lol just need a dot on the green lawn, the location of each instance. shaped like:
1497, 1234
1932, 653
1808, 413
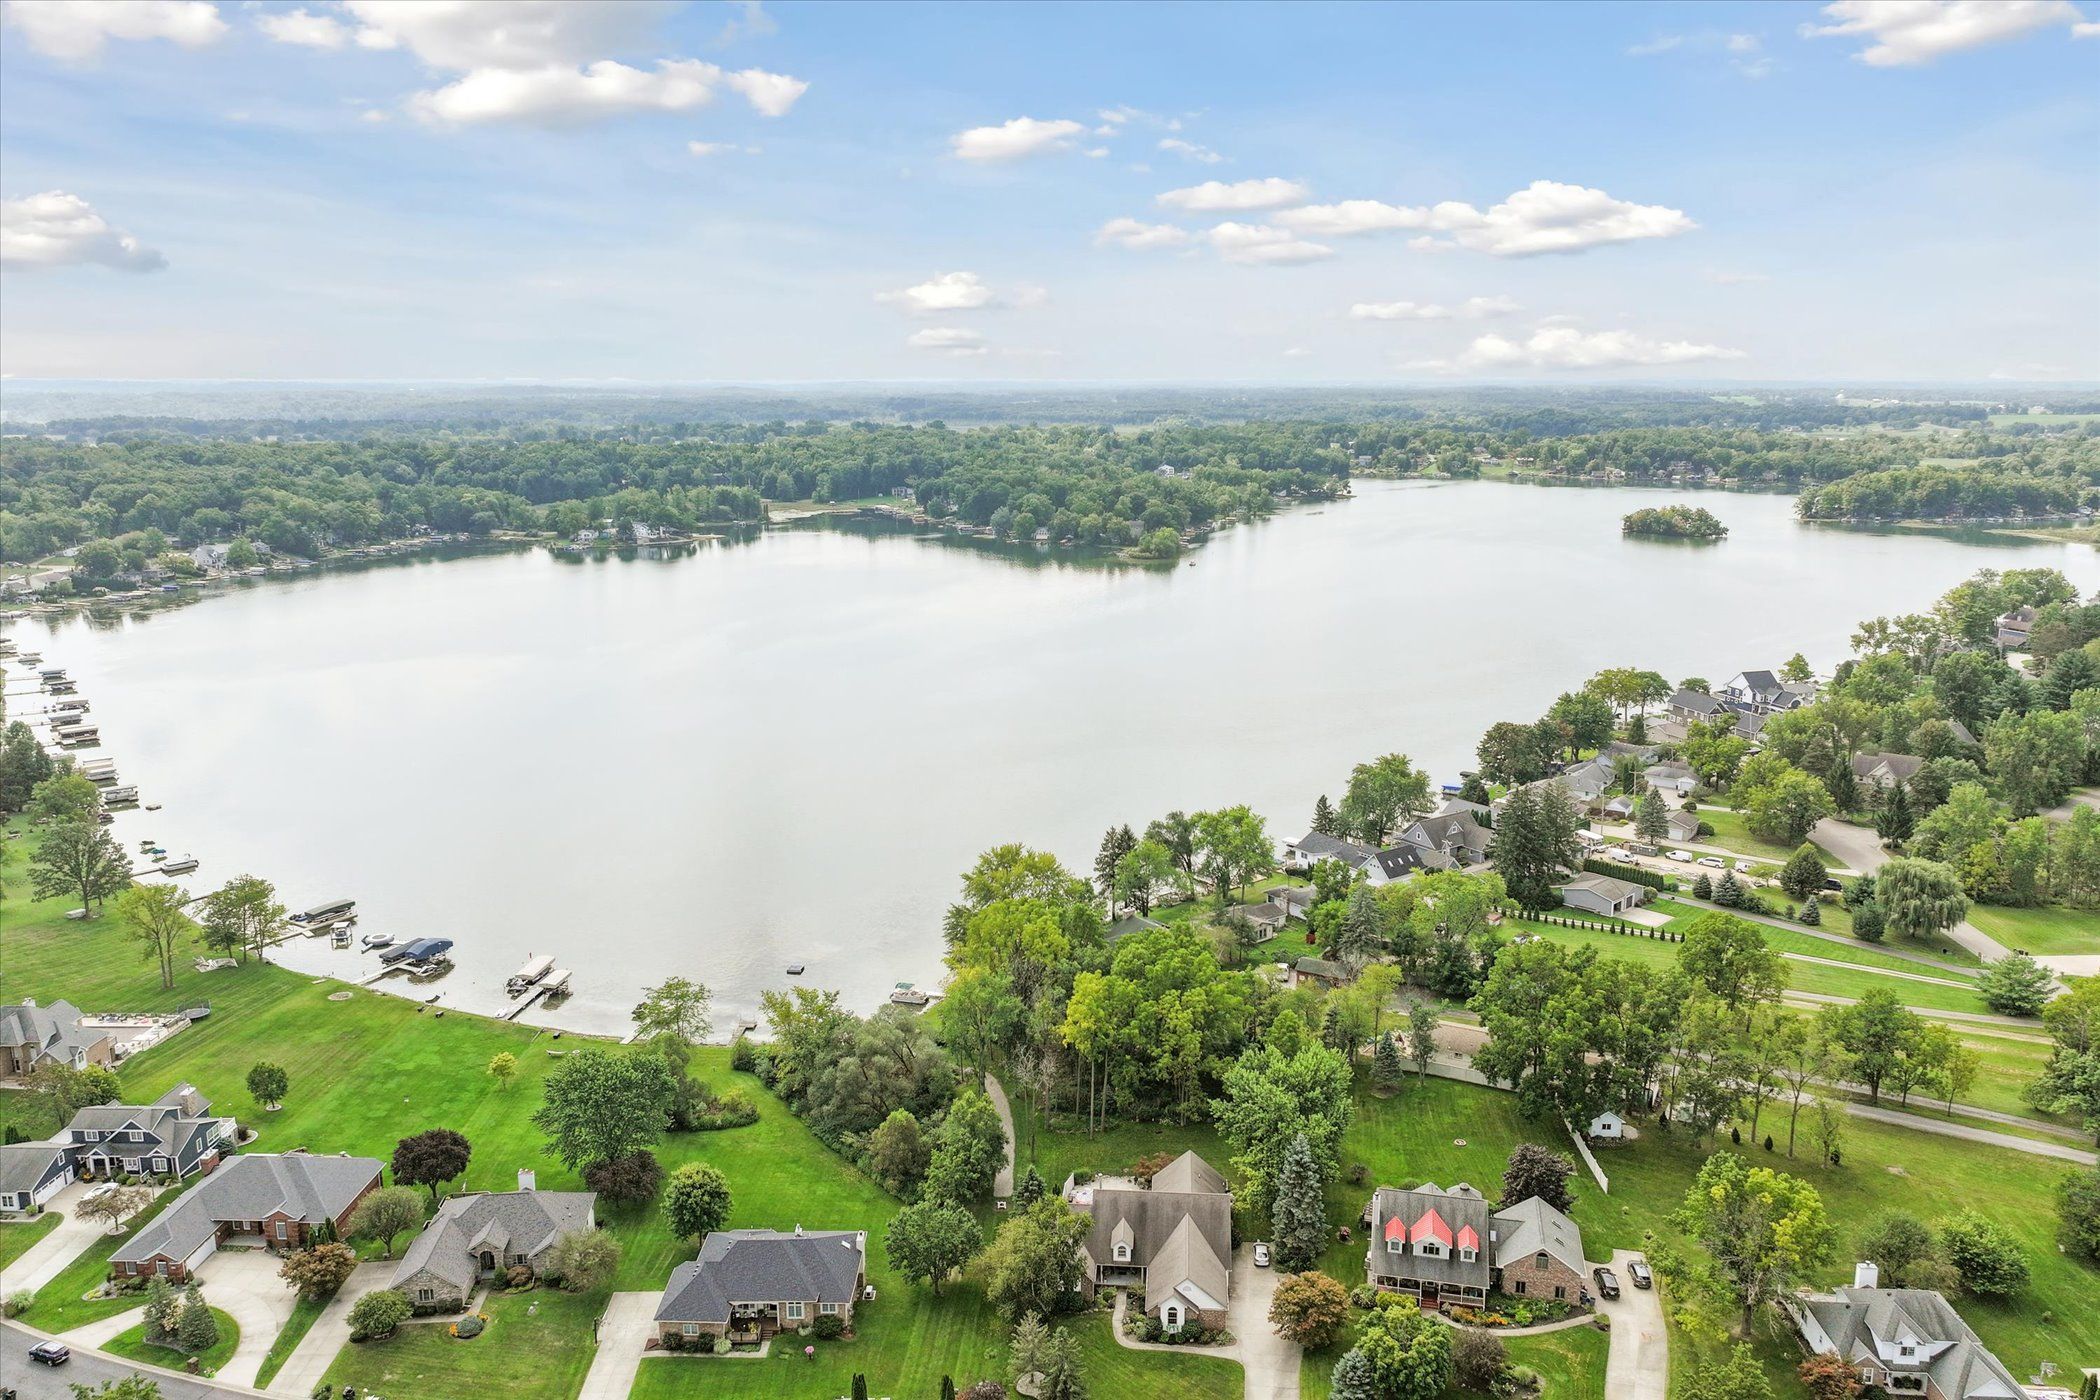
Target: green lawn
16, 1236
305, 1313
2043, 932
60, 1305
133, 1346
1732, 832
538, 1344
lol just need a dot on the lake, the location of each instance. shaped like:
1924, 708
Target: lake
787, 750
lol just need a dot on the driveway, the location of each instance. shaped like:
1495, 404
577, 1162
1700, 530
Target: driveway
245, 1284
629, 1320
1639, 1368
303, 1369
1271, 1362
47, 1258
1003, 1183
1857, 847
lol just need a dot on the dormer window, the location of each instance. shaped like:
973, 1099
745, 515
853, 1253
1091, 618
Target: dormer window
1122, 1253
1430, 1249
1468, 1255
1395, 1245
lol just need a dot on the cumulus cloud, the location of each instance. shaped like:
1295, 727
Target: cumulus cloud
558, 95
750, 22
1903, 33
950, 291
1543, 217
1216, 196
947, 340
306, 29
56, 229
1471, 309
1023, 136
1136, 234
77, 30
1560, 346
462, 35
1203, 155
1258, 245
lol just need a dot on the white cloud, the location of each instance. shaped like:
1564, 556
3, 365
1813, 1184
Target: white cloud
1567, 347
1097, 153
947, 340
1351, 216
1907, 32
1471, 309
554, 95
1543, 217
1743, 52
1258, 245
76, 30
703, 149
1203, 155
949, 291
1136, 234
1023, 136
1215, 196
1661, 43
750, 22
463, 35
56, 229
303, 27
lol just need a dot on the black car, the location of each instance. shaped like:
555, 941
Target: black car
50, 1354
1833, 885
1607, 1282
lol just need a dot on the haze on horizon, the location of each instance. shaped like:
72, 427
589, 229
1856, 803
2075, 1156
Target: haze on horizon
662, 193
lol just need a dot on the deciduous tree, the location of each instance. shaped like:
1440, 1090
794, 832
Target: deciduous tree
932, 1240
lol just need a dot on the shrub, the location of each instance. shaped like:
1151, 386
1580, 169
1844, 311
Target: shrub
582, 1259
1478, 1359
320, 1271
517, 1276
634, 1177
378, 1313
828, 1327
743, 1056
1985, 1253
734, 1109
17, 1303
468, 1327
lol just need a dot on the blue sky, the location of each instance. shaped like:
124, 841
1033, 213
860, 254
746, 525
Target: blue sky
394, 189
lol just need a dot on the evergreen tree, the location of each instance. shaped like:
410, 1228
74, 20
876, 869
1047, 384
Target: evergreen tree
1652, 818
1116, 843
1729, 893
1534, 843
1354, 1378
1894, 821
1702, 888
162, 1303
1386, 1070
1842, 786
1029, 1350
1299, 1217
1029, 1189
1803, 873
1812, 912
1323, 816
1061, 1376
198, 1331
1333, 1034
1637, 729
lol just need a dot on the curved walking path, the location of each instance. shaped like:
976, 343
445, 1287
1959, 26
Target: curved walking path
1861, 849
1566, 1324
1003, 1183
1932, 1013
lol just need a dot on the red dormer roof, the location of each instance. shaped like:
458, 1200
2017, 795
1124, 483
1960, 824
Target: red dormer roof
1396, 1229
1431, 1226
1468, 1238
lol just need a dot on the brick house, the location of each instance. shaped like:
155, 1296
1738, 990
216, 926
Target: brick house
33, 1036
276, 1200
473, 1236
1538, 1252
748, 1285
1444, 1247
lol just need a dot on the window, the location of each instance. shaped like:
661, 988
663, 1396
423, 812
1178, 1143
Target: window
691, 1329
1469, 1255
794, 1312
1560, 1290
1394, 1245
829, 1308
1520, 1287
1430, 1249
1122, 1253
281, 1229
160, 1266
424, 1295
1540, 1261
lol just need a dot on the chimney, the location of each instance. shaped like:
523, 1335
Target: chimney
527, 1181
1866, 1274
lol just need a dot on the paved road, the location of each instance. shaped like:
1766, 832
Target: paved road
1003, 1183
1271, 1363
35, 1382
1639, 1366
1860, 848
2031, 1146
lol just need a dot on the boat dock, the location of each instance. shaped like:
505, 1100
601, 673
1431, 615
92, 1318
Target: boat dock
551, 988
529, 976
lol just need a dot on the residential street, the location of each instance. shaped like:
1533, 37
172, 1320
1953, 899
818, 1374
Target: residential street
34, 1382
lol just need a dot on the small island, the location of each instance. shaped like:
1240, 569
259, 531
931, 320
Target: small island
1674, 523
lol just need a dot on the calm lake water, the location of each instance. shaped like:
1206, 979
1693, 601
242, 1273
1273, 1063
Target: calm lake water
787, 750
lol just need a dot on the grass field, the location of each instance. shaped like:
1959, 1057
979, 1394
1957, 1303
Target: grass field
16, 1236
59, 1304
133, 1346
2044, 932
544, 1355
305, 1313
1732, 831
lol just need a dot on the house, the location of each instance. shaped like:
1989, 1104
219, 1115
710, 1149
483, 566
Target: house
1401, 861
1961, 731
1173, 1240
1297, 900
1316, 846
32, 1036
175, 1135
209, 556
1907, 1341
1588, 781
1765, 693
1457, 836
275, 1199
1266, 916
1129, 924
1884, 770
1451, 806
1319, 972
1639, 753
2014, 628
1606, 1127
1618, 809
31, 1173
749, 1284
473, 1236
1443, 1247
1601, 894
1671, 777
1683, 826
1694, 706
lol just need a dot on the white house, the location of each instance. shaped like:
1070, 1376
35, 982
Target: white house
1606, 1127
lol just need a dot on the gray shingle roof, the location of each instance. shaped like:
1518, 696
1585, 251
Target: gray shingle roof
54, 1030
1315, 845
308, 1188
1697, 701
1179, 1232
508, 1222
763, 1266
1460, 1208
1530, 1226
1872, 1325
24, 1166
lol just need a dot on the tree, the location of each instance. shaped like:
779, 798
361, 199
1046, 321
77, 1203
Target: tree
1534, 843
1584, 718
1898, 1243
1354, 1378
696, 1201
1033, 1264
1875, 1032
1324, 820
1478, 1360
1421, 1035
1061, 1378
1272, 1097
152, 915
163, 1309
1803, 874
431, 1158
1410, 1356
379, 1312
1029, 1348
131, 1387
1812, 912
601, 1104
1386, 1069
503, 1067
1508, 754
582, 1260
2078, 1212
1538, 1171
1383, 796
79, 858
65, 797
1652, 818
1728, 956
1140, 873
1236, 847
969, 1148
268, 1084
319, 1271
2016, 986
1763, 1229
243, 917
1116, 843
1299, 1214
898, 1153
116, 1206
1359, 935
674, 1009
1986, 1254
68, 1090
932, 1240
1919, 897
1738, 1376
1894, 822
1786, 808
385, 1214
1029, 1189
631, 1176
1177, 832
1309, 1308
1828, 1376
198, 1331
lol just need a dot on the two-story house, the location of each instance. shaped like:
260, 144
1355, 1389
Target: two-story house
1172, 1239
175, 1135
32, 1036
1906, 1341
1444, 1247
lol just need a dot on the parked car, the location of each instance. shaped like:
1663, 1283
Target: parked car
1638, 1271
1685, 856
50, 1354
1835, 886
1261, 1256
1715, 861
1607, 1282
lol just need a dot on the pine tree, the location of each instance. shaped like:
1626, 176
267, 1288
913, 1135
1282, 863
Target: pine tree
1729, 893
1323, 816
1030, 1188
1333, 1034
1299, 1217
947, 1388
1842, 785
1652, 818
1116, 843
1061, 1378
1386, 1070
1702, 888
161, 1306
1812, 912
1354, 1377
1894, 821
1637, 729
199, 1330
1029, 1352
860, 1386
